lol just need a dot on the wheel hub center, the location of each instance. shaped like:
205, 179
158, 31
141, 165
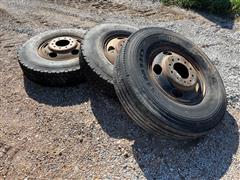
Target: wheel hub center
179, 71
177, 77
60, 48
62, 44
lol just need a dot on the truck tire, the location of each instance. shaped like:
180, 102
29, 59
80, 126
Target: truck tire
168, 85
101, 46
52, 58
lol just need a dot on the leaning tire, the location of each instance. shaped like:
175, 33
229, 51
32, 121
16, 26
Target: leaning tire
52, 58
98, 65
146, 93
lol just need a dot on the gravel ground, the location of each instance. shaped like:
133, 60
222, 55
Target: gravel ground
78, 132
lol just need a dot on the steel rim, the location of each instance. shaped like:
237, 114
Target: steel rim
112, 47
177, 77
60, 48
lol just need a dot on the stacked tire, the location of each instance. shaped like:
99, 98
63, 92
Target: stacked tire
166, 84
52, 58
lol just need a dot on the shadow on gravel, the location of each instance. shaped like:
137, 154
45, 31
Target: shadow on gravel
113, 119
56, 96
158, 158
226, 22
205, 158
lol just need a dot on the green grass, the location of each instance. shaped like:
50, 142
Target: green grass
220, 7
236, 6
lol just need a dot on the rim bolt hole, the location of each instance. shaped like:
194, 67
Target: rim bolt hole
52, 54
157, 69
75, 52
167, 53
111, 48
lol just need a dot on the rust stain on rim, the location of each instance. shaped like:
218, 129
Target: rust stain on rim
178, 78
113, 47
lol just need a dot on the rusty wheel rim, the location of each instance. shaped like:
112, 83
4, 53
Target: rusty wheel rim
178, 78
60, 48
112, 47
